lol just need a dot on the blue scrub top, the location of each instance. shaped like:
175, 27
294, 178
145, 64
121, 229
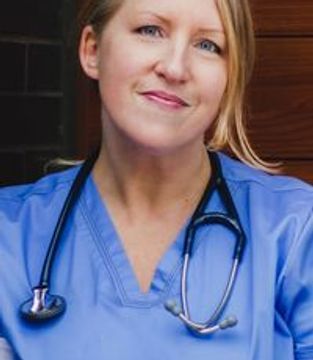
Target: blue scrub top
108, 317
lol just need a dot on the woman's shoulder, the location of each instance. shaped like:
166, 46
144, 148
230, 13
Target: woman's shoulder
28, 214
244, 175
46, 186
32, 205
275, 201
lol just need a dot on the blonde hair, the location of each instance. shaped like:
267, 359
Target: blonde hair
228, 131
229, 128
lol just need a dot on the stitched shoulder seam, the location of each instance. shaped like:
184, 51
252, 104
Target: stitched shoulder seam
293, 252
33, 190
297, 185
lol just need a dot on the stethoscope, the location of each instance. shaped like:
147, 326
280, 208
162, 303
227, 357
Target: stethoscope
44, 306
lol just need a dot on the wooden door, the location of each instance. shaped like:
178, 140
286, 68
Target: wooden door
280, 96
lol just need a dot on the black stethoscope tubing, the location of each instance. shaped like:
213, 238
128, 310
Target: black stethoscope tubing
230, 220
43, 306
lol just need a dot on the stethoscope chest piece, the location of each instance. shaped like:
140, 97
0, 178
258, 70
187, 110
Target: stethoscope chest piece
42, 306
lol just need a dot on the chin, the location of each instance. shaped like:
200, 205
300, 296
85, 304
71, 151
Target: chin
162, 144
154, 137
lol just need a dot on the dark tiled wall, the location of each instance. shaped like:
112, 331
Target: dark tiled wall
32, 90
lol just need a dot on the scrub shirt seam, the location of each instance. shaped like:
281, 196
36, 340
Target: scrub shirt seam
104, 254
39, 187
20, 198
299, 187
292, 253
237, 171
283, 278
172, 277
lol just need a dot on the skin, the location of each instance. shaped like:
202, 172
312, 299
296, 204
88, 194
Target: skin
153, 165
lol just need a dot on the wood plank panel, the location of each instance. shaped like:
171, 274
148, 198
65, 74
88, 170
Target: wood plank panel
283, 16
300, 169
281, 99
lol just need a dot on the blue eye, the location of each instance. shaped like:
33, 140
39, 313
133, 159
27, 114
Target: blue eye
210, 46
149, 30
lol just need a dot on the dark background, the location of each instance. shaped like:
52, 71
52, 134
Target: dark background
48, 109
37, 77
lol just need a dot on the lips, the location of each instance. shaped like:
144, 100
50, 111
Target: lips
165, 97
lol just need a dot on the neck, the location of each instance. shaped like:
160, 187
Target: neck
136, 179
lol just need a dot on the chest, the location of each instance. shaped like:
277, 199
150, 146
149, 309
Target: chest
144, 249
107, 315
145, 242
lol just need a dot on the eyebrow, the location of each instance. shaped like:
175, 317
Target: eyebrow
160, 17
211, 30
166, 21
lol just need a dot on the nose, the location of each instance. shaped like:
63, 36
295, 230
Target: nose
173, 65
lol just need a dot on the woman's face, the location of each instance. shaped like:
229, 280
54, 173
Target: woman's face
162, 71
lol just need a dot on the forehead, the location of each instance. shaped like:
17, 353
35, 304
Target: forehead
203, 13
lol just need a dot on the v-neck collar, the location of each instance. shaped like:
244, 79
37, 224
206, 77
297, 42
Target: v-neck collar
114, 255
113, 252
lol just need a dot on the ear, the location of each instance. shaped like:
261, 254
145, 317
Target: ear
88, 52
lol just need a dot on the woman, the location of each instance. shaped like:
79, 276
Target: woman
171, 78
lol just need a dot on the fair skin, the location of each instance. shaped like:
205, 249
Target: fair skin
161, 68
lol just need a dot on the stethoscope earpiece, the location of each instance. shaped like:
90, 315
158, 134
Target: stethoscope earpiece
230, 321
42, 307
172, 307
197, 328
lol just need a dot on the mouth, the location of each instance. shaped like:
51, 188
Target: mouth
164, 98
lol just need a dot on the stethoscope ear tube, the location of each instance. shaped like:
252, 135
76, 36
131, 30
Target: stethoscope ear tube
230, 220
44, 306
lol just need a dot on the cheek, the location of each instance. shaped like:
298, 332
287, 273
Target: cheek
112, 81
118, 76
112, 68
121, 61
214, 82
